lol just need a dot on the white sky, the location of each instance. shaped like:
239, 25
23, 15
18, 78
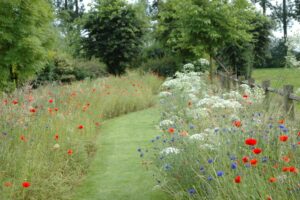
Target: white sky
295, 26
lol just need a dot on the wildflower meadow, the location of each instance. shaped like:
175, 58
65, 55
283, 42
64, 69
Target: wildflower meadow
217, 144
47, 135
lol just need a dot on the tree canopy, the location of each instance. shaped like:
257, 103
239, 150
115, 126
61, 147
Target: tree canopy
25, 37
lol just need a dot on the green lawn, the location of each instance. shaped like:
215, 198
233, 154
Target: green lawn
278, 77
116, 173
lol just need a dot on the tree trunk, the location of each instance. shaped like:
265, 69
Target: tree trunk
66, 4
76, 8
284, 20
264, 6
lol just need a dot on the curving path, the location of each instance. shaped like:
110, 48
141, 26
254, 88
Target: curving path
116, 172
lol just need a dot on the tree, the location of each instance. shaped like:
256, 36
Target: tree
25, 37
114, 34
69, 14
209, 24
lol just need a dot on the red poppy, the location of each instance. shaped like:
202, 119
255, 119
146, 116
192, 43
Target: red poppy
56, 109
80, 127
56, 136
245, 159
281, 121
253, 162
257, 151
171, 130
70, 151
285, 169
283, 138
22, 137
237, 123
272, 179
245, 96
15, 101
50, 101
33, 110
26, 184
237, 179
286, 159
299, 143
251, 141
293, 169
269, 198
7, 184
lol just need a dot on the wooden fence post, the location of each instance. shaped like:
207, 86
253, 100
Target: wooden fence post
265, 85
288, 103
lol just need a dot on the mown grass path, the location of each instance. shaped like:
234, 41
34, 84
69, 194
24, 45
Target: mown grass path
116, 173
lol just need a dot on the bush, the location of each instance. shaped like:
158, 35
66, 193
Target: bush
165, 66
63, 68
89, 69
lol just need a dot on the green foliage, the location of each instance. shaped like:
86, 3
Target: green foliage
164, 66
25, 37
63, 68
114, 34
278, 52
89, 69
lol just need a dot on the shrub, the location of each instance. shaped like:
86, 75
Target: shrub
63, 68
89, 69
165, 66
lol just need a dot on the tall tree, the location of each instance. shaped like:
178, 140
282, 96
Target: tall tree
25, 37
114, 34
209, 24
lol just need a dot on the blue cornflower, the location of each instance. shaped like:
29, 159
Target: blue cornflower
164, 141
192, 126
264, 159
281, 126
285, 130
270, 125
220, 173
167, 167
141, 155
233, 165
157, 137
173, 139
202, 169
209, 178
247, 165
139, 149
233, 158
210, 161
192, 191
152, 140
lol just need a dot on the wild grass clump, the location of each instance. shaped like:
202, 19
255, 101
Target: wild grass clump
223, 144
47, 134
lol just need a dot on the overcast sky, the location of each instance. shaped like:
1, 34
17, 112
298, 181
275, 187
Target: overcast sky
294, 29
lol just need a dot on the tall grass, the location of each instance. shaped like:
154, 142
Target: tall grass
47, 134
